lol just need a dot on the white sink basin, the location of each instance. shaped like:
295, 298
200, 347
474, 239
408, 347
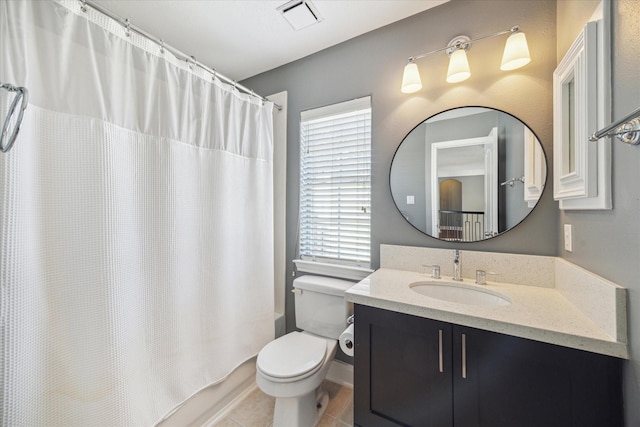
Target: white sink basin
460, 293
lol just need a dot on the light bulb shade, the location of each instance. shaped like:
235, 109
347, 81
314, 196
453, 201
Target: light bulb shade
458, 67
516, 52
411, 78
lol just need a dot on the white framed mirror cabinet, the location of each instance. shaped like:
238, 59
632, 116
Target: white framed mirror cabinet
581, 105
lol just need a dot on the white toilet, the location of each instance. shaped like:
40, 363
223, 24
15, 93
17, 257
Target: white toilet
292, 367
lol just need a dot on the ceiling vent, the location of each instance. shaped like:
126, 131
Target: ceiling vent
300, 13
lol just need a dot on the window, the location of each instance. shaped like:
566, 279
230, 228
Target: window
335, 183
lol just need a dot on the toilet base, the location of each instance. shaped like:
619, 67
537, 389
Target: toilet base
302, 411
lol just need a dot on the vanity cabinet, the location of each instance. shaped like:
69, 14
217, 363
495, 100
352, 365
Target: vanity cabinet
412, 371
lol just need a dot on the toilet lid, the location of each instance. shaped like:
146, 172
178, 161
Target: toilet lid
292, 355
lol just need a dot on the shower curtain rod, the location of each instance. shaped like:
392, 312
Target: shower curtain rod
163, 46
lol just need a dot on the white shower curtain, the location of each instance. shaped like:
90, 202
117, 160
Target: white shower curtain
136, 262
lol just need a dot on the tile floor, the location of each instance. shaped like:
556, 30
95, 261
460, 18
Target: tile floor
256, 410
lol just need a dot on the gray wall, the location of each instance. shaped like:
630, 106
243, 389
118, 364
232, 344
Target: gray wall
372, 64
408, 179
608, 242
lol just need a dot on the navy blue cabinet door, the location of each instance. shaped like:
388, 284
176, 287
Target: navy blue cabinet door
411, 371
402, 370
500, 380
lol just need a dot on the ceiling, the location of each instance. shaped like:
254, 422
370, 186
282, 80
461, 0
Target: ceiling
242, 38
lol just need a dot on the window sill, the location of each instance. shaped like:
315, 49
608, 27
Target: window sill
333, 270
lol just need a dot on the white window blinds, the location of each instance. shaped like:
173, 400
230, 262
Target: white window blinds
335, 183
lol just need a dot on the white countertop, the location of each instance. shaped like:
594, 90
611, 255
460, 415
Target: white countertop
537, 313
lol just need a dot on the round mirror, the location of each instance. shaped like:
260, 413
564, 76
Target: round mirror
468, 174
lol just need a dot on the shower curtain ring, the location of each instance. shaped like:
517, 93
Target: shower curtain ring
83, 6
162, 46
127, 27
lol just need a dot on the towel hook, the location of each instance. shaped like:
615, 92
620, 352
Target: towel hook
23, 97
512, 181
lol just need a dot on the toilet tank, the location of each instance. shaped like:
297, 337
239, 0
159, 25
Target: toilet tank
320, 305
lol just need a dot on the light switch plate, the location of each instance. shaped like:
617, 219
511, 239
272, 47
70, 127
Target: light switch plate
568, 246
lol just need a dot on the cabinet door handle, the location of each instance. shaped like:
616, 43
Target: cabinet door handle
440, 358
464, 356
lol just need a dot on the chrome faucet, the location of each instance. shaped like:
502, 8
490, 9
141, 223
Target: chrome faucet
456, 265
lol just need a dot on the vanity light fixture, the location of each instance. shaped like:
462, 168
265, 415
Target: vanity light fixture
458, 64
516, 55
516, 52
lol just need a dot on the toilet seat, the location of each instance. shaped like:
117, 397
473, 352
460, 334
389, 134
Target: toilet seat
291, 357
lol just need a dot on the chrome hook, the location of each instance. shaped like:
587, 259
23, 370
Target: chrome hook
23, 98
